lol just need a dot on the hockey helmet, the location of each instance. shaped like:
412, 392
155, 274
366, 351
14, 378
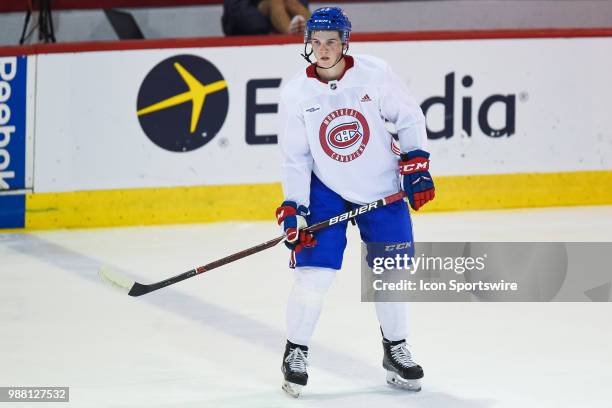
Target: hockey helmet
328, 19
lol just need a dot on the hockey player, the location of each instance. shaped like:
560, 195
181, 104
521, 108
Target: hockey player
337, 154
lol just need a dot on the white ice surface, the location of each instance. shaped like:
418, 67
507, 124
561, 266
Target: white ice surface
216, 340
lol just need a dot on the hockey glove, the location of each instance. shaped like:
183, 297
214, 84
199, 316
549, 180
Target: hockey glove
292, 218
416, 180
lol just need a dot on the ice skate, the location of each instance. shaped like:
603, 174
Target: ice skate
402, 371
294, 365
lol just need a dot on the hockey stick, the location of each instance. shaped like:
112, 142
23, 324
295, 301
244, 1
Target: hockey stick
138, 289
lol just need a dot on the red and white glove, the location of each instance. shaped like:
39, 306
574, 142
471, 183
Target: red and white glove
292, 217
416, 180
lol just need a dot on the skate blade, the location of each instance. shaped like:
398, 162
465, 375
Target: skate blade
396, 380
292, 389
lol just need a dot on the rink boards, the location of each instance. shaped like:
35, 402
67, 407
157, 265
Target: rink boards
95, 135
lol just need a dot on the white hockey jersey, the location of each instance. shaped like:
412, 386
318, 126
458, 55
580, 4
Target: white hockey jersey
337, 130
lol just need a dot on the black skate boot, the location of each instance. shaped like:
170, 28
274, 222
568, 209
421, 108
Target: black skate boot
402, 371
294, 365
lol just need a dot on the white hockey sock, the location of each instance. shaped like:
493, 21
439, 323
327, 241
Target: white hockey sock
305, 302
393, 319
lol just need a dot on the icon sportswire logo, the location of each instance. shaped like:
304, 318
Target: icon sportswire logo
182, 103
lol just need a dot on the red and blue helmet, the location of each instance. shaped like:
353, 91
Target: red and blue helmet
328, 19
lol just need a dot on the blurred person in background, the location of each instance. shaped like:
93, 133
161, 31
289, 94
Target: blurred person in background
258, 17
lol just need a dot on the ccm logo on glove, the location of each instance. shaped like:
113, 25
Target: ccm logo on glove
414, 165
416, 180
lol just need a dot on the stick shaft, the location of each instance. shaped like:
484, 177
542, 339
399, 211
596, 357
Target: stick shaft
139, 289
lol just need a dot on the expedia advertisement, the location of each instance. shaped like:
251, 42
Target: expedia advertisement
208, 116
201, 109
13, 82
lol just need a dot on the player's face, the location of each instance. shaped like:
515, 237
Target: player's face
327, 47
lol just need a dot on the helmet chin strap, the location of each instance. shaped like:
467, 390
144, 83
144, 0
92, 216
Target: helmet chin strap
306, 55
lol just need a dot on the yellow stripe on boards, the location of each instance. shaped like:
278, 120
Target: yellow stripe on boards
105, 208
249, 202
499, 191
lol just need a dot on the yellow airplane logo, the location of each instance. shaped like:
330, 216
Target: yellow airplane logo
196, 94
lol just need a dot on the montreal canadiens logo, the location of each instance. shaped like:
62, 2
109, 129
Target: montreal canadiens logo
344, 134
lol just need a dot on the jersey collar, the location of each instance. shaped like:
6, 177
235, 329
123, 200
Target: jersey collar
311, 70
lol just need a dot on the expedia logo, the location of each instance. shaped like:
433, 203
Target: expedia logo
505, 103
182, 103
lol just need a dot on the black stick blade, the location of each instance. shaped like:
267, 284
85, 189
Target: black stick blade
138, 289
